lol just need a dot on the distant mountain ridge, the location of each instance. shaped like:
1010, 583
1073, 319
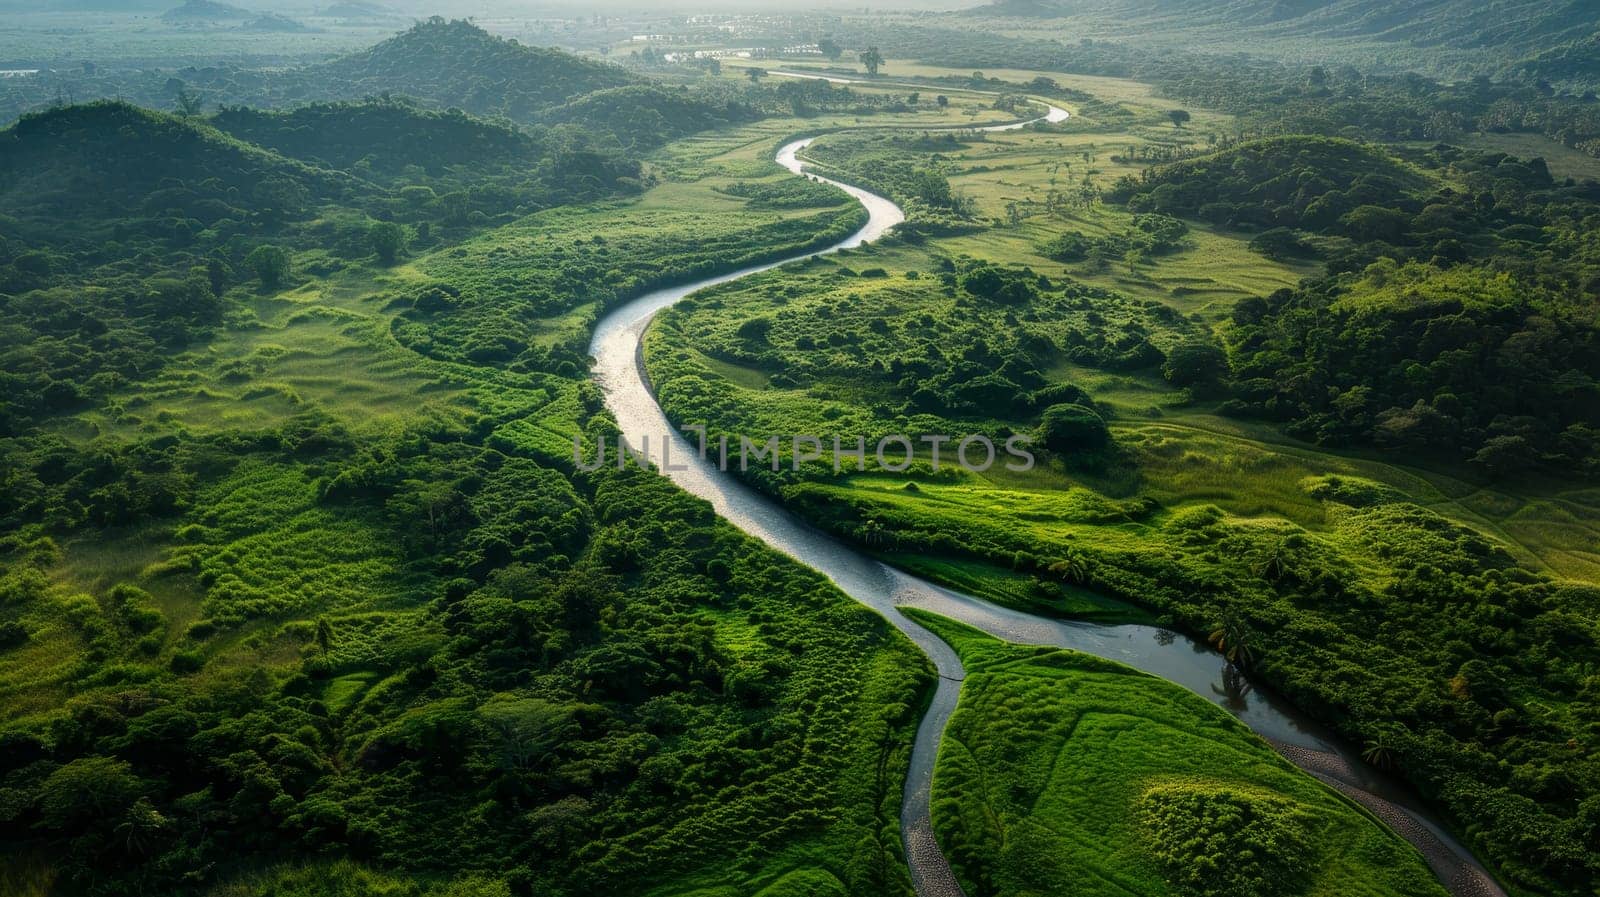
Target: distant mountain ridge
206, 11
275, 23
1518, 29
357, 9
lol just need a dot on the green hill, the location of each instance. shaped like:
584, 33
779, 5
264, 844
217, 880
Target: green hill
1576, 61
1300, 181
111, 158
642, 115
457, 64
388, 135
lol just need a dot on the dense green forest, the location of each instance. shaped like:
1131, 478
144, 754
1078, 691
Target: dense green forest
347, 634
1458, 316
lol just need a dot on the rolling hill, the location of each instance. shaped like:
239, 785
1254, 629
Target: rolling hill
388, 135
111, 158
643, 115
457, 64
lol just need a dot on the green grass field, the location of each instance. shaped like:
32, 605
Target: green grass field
1063, 773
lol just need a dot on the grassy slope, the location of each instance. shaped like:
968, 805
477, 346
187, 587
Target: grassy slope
1049, 752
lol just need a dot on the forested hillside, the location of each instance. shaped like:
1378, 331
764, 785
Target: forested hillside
1575, 61
456, 63
389, 136
436, 64
642, 116
1460, 315
108, 158
163, 191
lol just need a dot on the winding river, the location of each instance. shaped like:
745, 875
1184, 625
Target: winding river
618, 369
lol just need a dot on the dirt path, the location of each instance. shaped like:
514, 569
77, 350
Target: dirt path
1460, 876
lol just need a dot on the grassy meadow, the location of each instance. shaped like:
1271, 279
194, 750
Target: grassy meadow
1065, 773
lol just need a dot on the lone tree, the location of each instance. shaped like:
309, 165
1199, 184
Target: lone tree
830, 48
1279, 243
1234, 640
188, 103
1133, 258
388, 240
1071, 427
942, 100
755, 75
1179, 117
1194, 362
872, 59
217, 275
270, 264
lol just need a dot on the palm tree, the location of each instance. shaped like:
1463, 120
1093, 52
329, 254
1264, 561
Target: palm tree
1071, 569
872, 59
1378, 753
1234, 641
189, 103
871, 533
140, 827
1277, 563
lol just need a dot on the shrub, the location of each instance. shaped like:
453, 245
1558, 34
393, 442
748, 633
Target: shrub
270, 264
1072, 427
1219, 841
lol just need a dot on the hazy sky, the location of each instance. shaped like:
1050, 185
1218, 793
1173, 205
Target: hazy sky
503, 7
